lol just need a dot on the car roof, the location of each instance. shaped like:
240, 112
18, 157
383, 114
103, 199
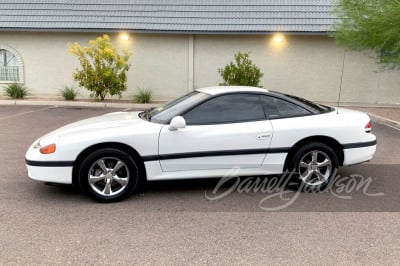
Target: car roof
226, 89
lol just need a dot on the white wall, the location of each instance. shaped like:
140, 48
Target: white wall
159, 62
308, 66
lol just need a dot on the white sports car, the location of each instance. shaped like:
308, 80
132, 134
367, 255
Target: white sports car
204, 134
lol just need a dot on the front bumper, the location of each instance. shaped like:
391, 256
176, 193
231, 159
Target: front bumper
47, 168
62, 175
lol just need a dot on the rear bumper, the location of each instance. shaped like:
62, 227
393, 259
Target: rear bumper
358, 155
62, 175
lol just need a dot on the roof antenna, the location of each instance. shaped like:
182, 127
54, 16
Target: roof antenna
341, 81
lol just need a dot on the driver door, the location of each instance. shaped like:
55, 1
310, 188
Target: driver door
224, 132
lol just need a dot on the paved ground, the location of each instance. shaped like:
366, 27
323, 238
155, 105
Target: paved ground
389, 113
174, 223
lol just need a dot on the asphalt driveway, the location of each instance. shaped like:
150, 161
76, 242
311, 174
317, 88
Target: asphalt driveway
356, 222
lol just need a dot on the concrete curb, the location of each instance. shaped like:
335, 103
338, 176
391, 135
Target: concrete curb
80, 104
386, 121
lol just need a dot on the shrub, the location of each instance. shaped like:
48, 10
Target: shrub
143, 96
241, 73
17, 91
69, 93
103, 69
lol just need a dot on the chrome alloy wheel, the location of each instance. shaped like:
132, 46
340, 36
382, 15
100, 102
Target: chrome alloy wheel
315, 168
108, 176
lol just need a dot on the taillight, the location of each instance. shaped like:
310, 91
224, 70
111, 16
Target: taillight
368, 127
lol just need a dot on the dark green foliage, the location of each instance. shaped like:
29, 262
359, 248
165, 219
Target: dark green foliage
69, 93
17, 91
242, 72
370, 24
143, 96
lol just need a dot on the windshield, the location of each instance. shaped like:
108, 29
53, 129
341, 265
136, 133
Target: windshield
164, 114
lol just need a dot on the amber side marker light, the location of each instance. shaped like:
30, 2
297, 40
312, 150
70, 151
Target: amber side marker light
48, 149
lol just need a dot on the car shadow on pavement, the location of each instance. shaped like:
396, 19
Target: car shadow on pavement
60, 192
363, 188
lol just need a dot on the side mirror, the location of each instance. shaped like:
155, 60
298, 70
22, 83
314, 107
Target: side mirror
177, 122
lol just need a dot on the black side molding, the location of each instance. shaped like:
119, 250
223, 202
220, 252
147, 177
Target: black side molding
49, 163
359, 144
213, 153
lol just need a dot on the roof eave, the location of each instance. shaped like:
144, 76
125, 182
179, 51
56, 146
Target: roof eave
83, 30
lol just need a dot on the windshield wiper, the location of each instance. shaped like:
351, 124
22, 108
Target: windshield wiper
146, 114
149, 111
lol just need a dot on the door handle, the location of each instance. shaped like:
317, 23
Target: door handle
263, 136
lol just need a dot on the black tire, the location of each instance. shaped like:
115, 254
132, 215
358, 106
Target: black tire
308, 174
113, 175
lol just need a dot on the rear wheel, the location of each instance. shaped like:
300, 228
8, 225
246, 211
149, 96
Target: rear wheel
108, 175
315, 165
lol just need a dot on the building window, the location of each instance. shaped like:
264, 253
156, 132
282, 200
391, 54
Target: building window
10, 66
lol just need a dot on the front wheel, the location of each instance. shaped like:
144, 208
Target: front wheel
314, 165
108, 175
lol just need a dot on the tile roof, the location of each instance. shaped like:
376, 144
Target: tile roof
179, 16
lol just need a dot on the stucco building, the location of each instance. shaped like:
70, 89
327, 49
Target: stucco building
178, 46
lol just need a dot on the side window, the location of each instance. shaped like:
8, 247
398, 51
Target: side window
10, 70
277, 108
231, 108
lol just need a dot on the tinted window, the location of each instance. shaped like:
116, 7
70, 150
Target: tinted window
226, 109
165, 113
317, 108
277, 108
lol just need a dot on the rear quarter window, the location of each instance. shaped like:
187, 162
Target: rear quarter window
278, 108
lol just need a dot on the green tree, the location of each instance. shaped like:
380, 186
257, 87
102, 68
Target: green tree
102, 69
370, 24
241, 72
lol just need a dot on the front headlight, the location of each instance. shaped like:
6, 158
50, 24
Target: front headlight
37, 145
43, 148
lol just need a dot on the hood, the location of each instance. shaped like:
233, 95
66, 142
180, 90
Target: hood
111, 120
